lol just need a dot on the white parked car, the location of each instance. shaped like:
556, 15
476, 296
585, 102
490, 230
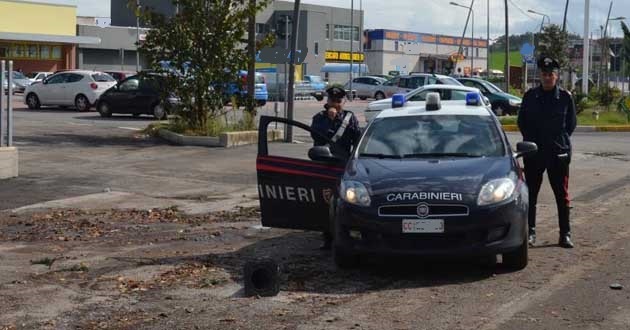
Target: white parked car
39, 76
69, 88
367, 87
418, 96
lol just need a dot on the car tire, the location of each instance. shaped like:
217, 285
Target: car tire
82, 103
319, 98
517, 259
32, 101
158, 111
379, 96
362, 98
498, 110
103, 109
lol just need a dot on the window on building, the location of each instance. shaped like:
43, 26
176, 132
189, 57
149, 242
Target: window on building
33, 51
316, 48
4, 51
327, 32
338, 32
396, 46
44, 52
56, 53
355, 31
345, 32
261, 28
477, 52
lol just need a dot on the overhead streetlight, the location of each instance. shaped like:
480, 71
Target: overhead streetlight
543, 15
472, 35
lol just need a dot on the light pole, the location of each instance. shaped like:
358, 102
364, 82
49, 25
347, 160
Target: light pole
488, 41
542, 25
472, 35
605, 54
137, 35
351, 45
587, 48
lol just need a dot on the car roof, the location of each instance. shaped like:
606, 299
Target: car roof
79, 71
447, 108
442, 86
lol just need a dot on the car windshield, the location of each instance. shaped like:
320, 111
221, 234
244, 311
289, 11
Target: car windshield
18, 75
492, 87
259, 79
450, 81
315, 79
102, 77
432, 136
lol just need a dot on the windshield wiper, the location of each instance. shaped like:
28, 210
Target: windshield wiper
441, 154
381, 156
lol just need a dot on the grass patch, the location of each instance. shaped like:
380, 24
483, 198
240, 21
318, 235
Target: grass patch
606, 118
497, 60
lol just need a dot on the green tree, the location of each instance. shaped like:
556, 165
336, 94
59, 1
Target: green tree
200, 50
554, 43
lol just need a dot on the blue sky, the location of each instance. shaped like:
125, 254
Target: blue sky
437, 16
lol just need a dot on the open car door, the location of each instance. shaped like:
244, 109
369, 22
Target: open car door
294, 193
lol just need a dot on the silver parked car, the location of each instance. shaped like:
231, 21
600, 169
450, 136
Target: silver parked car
20, 81
367, 87
407, 83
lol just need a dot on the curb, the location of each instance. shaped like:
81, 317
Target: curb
224, 140
582, 129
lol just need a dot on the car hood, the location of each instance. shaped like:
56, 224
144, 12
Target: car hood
460, 176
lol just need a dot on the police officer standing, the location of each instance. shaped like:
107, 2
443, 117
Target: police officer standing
547, 117
340, 126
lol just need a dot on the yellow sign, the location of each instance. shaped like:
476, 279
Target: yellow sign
333, 55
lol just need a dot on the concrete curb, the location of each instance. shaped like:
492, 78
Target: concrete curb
582, 129
224, 140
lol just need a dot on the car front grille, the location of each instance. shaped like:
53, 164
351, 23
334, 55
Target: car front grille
435, 210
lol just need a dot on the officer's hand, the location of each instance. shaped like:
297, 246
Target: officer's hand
332, 112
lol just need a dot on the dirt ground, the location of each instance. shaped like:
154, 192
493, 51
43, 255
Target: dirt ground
160, 269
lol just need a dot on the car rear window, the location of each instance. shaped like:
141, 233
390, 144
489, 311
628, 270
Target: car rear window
414, 136
450, 81
102, 77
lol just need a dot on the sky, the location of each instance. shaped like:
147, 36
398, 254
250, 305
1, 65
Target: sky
437, 16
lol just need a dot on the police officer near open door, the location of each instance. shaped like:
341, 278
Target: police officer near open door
340, 126
547, 117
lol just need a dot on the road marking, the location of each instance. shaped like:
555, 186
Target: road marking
131, 128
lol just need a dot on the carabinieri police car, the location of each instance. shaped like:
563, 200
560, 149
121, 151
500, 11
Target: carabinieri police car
427, 180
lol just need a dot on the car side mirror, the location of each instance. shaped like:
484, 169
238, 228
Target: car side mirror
525, 149
323, 154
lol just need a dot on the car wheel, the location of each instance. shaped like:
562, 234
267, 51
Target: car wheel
104, 110
159, 112
32, 101
379, 95
82, 103
498, 110
517, 259
362, 98
344, 259
319, 98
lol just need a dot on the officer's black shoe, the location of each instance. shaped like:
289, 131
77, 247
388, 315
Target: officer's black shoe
531, 239
565, 241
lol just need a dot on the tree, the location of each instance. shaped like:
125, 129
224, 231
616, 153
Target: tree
200, 51
625, 50
554, 43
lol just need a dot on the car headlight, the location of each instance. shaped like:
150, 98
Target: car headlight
355, 193
496, 191
515, 103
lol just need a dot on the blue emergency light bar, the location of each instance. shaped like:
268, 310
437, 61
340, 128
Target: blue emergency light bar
473, 98
398, 100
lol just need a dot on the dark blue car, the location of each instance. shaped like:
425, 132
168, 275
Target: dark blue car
424, 180
239, 89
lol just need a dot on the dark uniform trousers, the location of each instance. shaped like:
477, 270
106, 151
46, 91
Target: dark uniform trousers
558, 175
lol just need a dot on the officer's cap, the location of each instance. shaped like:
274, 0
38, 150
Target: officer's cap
548, 64
336, 92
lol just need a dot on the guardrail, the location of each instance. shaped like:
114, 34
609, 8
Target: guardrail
6, 124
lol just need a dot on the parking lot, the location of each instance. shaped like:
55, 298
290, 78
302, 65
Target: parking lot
176, 261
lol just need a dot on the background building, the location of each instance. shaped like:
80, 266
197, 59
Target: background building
405, 52
39, 36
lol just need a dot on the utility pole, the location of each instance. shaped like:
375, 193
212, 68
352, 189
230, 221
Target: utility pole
251, 54
488, 41
507, 49
137, 35
351, 45
564, 22
294, 32
587, 46
461, 41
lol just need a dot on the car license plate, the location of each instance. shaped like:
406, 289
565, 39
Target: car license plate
422, 226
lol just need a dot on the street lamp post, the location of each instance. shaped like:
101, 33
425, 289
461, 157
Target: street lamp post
605, 49
472, 35
542, 25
